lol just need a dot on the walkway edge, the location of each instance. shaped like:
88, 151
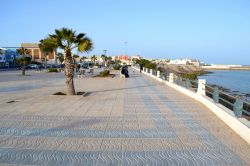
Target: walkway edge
241, 129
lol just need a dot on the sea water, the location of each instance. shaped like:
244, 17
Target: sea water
237, 81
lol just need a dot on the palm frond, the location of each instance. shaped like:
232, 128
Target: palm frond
23, 51
66, 39
85, 45
80, 36
48, 45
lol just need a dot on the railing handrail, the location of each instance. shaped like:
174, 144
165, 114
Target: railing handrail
229, 95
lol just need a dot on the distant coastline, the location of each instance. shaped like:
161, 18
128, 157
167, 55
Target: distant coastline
226, 67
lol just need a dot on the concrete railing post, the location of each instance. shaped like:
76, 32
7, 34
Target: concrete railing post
143, 69
151, 71
216, 95
158, 74
187, 83
171, 77
201, 87
238, 107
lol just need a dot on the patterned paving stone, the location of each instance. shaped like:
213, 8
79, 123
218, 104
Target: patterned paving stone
135, 121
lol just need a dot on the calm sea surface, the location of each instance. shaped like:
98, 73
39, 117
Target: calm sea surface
236, 81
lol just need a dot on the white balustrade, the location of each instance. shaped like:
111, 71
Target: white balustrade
158, 74
171, 77
201, 87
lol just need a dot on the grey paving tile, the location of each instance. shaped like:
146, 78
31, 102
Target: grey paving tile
134, 121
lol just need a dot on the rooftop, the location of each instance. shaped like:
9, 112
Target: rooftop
29, 45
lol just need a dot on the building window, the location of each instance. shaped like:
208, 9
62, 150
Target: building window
36, 53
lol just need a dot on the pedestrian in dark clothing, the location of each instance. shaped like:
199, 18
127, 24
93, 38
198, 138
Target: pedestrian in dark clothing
126, 72
78, 67
141, 68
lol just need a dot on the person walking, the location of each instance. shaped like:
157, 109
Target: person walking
126, 71
141, 68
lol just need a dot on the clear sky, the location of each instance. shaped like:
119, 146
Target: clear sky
215, 31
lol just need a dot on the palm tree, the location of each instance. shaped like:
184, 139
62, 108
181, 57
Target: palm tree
83, 58
104, 58
46, 49
109, 59
24, 58
67, 39
60, 57
93, 58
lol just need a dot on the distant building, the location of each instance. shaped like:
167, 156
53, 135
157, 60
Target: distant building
2, 57
11, 54
195, 63
8, 56
122, 58
126, 59
179, 62
135, 57
37, 55
185, 62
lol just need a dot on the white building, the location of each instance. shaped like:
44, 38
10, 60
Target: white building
185, 62
179, 62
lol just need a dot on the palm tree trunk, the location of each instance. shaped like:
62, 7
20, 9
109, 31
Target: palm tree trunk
45, 62
69, 73
23, 70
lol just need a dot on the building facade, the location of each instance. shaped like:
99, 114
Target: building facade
2, 57
8, 56
39, 56
122, 58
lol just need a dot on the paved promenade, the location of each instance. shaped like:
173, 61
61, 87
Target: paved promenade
134, 121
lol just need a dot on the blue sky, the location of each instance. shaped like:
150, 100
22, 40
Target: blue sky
215, 31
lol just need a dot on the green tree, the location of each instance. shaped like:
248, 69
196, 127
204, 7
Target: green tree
67, 40
60, 57
118, 62
83, 59
75, 56
151, 66
104, 58
93, 58
46, 49
24, 59
109, 60
142, 62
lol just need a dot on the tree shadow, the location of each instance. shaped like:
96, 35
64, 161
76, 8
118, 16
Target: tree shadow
127, 88
65, 129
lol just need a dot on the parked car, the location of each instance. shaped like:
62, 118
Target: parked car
32, 66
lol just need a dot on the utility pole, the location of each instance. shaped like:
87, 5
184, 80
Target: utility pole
105, 51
